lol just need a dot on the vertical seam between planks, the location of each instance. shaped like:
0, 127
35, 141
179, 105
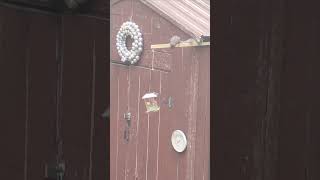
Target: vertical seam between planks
92, 106
182, 59
151, 24
27, 104
117, 133
192, 123
152, 62
158, 133
128, 110
59, 116
178, 169
205, 137
137, 137
128, 92
59, 64
147, 159
131, 10
195, 108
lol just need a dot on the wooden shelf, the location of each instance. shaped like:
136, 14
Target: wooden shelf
182, 44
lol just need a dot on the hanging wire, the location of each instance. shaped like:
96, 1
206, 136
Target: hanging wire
131, 10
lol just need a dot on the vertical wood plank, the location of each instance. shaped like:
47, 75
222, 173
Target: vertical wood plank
154, 86
144, 128
13, 93
133, 128
180, 88
122, 144
238, 76
77, 95
167, 162
313, 76
42, 87
114, 94
314, 87
155, 156
202, 119
294, 128
101, 143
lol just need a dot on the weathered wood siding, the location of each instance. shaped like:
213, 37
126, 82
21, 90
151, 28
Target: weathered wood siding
265, 90
54, 83
179, 73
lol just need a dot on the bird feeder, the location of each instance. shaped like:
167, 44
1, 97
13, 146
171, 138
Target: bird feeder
150, 100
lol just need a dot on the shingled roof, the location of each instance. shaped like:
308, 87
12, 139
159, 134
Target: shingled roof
192, 16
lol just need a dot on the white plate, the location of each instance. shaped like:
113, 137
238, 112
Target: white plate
179, 140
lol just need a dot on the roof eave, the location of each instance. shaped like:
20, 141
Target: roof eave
180, 26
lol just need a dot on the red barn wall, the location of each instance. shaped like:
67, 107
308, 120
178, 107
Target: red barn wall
142, 149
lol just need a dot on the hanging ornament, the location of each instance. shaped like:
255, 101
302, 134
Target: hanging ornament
130, 29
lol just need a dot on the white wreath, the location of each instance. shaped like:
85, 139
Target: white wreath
129, 29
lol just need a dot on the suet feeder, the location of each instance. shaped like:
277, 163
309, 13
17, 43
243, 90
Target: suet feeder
150, 100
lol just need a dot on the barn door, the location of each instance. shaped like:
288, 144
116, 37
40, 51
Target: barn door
84, 93
54, 91
141, 142
266, 114
28, 93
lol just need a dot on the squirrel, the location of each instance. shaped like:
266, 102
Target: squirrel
176, 40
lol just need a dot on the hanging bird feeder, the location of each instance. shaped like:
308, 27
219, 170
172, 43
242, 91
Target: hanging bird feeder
150, 100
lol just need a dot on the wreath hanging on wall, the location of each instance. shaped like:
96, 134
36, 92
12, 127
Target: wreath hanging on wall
129, 29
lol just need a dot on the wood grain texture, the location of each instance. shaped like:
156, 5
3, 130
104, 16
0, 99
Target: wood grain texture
101, 134
33, 75
77, 97
13, 92
177, 74
42, 91
278, 108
